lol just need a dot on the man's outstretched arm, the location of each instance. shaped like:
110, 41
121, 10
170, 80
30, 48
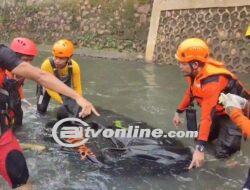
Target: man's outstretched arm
49, 81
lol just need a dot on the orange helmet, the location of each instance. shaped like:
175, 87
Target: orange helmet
192, 49
63, 48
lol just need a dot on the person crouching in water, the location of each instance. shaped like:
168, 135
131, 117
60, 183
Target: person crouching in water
65, 69
206, 79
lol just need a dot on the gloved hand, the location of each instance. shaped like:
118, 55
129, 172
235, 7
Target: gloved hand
231, 100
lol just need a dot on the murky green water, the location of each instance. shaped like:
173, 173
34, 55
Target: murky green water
143, 92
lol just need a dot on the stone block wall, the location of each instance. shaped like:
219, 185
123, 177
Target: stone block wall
222, 28
98, 24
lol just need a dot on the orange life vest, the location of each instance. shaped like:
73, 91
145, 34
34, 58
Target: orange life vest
208, 71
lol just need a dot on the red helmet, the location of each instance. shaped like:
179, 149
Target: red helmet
24, 46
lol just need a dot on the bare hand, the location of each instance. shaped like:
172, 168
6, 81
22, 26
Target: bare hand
87, 107
177, 120
198, 159
26, 102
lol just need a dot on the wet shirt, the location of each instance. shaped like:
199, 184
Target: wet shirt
8, 59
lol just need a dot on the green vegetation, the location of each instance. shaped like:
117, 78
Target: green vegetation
99, 42
129, 25
2, 19
87, 37
95, 3
118, 124
31, 10
142, 2
69, 5
116, 26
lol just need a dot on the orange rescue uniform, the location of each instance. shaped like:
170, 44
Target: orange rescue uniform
205, 89
241, 121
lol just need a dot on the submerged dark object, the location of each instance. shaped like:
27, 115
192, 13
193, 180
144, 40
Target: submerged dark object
144, 156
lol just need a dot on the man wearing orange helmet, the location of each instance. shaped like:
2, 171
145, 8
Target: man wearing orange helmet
64, 68
13, 167
206, 79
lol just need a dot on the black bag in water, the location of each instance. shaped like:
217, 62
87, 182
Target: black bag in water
191, 119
